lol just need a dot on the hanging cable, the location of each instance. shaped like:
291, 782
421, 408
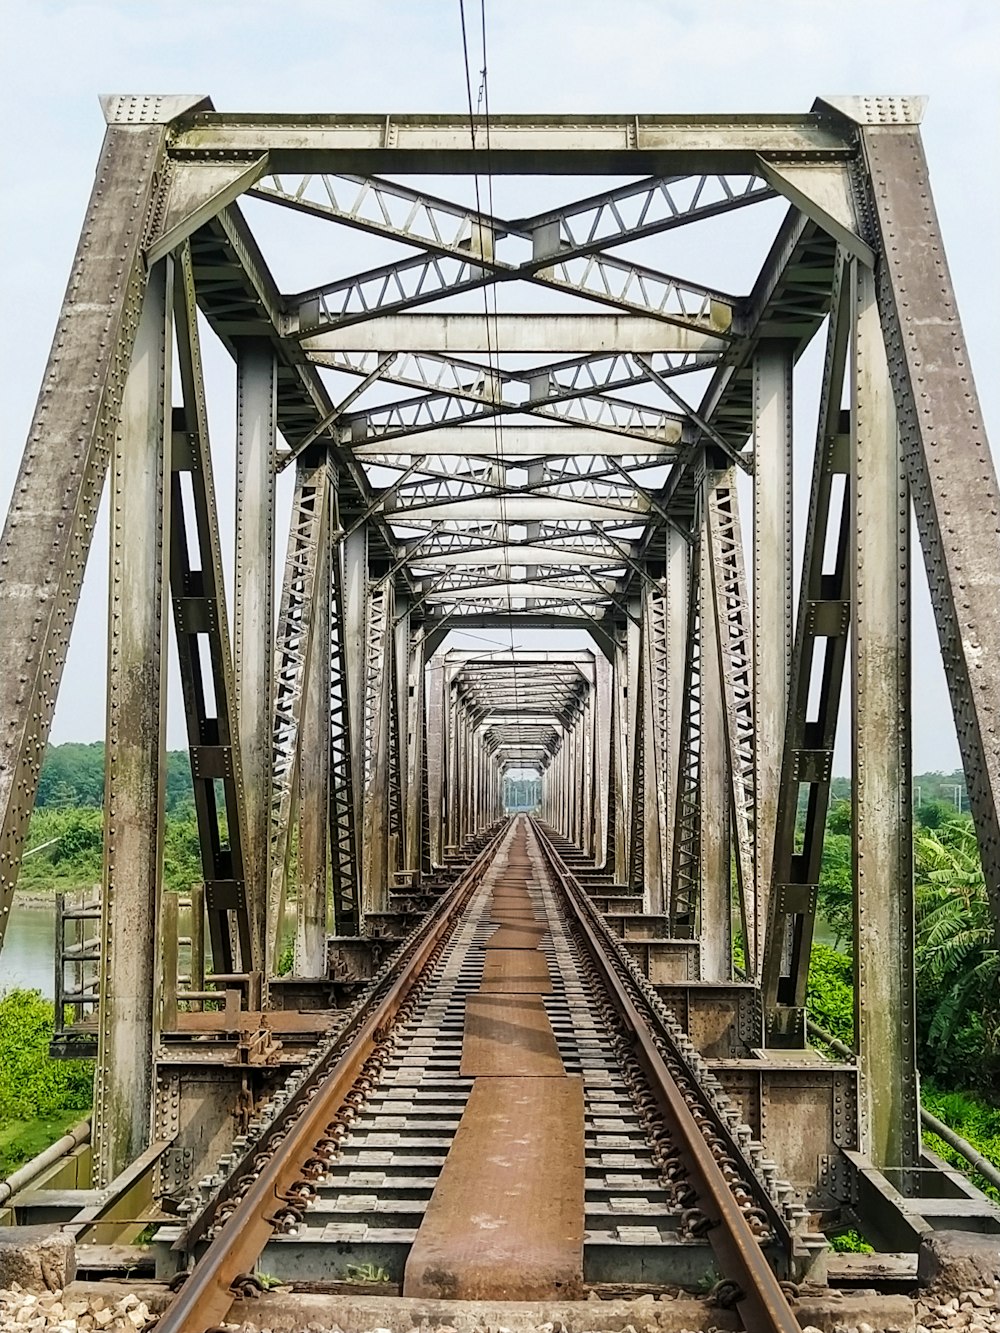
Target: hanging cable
492, 336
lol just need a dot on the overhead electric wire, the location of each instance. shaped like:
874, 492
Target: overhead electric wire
492, 351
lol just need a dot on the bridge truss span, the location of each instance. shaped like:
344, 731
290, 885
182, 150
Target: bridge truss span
529, 384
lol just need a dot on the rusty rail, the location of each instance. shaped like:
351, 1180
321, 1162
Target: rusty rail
764, 1307
205, 1297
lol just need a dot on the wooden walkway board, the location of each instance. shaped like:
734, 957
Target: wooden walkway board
506, 1219
520, 936
516, 971
508, 1035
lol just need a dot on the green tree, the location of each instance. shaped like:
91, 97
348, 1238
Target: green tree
957, 962
30, 1083
836, 887
830, 992
72, 774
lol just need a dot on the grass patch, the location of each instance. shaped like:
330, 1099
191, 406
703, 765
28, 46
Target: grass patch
40, 1098
849, 1242
975, 1119
20, 1140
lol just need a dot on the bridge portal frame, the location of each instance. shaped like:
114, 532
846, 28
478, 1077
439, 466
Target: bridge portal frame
677, 789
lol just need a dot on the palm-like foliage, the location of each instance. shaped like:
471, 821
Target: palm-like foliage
958, 966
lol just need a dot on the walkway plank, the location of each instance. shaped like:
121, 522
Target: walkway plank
509, 1035
516, 971
516, 937
506, 1219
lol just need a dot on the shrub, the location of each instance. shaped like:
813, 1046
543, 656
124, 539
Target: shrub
32, 1084
830, 993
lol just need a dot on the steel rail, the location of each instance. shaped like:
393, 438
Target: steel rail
764, 1307
205, 1298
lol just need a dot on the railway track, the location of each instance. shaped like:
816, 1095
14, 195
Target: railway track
509, 1113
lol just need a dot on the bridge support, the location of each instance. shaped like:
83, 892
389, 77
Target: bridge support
253, 635
135, 769
884, 999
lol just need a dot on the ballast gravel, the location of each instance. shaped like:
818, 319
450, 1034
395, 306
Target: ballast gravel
58, 1312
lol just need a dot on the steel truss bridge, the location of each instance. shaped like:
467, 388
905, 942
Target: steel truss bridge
527, 421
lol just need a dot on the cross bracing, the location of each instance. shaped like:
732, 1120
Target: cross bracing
529, 418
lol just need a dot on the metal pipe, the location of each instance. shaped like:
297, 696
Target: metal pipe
928, 1120
24, 1175
975, 1159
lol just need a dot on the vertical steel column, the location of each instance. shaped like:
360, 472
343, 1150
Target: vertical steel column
621, 772
603, 792
436, 759
685, 876
312, 908
204, 656
578, 790
560, 785
469, 782
634, 707
413, 851
730, 611
304, 577
772, 601
818, 658
654, 787
589, 793
379, 683
344, 777
451, 779
401, 654
479, 774
465, 781
714, 805
675, 618
135, 770
574, 784
355, 548
253, 634
882, 827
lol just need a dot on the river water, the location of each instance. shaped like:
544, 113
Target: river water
28, 958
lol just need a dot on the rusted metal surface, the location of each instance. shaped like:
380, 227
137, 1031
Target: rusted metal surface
509, 1035
516, 970
506, 1219
515, 937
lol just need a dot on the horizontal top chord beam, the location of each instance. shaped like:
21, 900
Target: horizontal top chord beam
522, 145
512, 334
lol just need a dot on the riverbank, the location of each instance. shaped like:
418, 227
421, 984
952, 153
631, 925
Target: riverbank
39, 898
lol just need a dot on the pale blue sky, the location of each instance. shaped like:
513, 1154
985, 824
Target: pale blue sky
544, 55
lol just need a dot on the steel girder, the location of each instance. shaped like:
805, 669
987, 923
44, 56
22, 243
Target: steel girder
47, 535
136, 719
301, 683
234, 904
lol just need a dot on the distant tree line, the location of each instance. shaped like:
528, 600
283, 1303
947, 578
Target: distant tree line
73, 775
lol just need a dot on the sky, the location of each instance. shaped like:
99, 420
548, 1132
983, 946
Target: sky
641, 56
